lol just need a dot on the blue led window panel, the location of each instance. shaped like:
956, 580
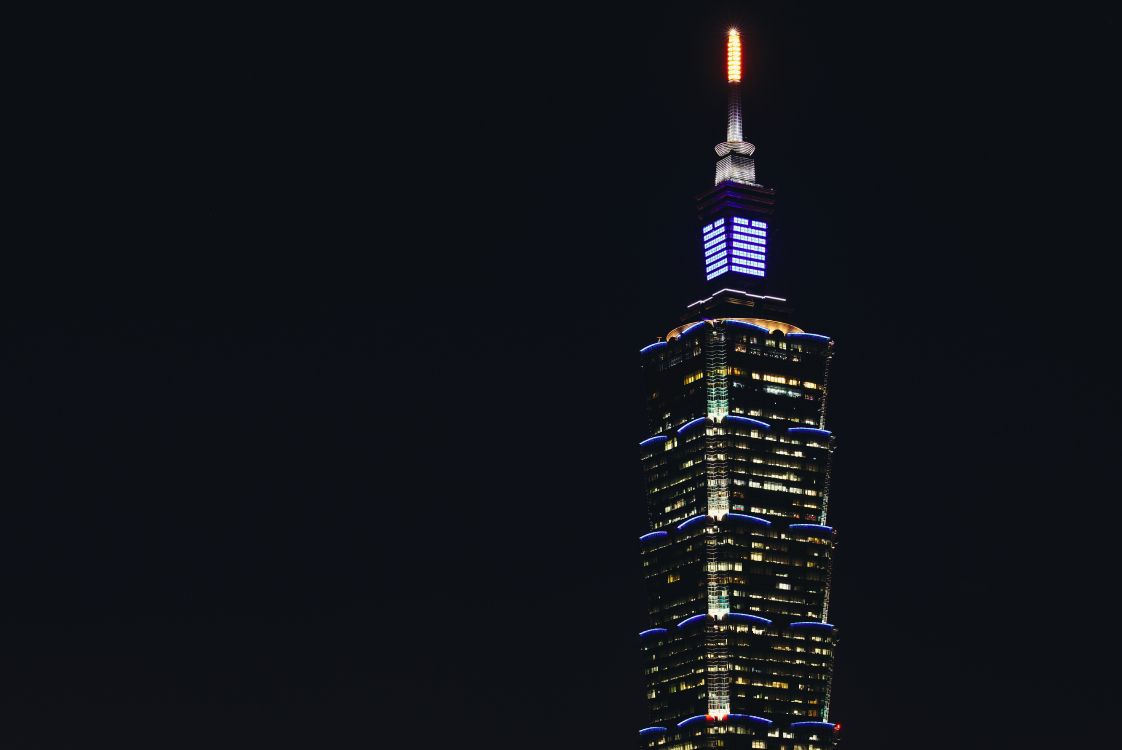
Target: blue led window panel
744, 238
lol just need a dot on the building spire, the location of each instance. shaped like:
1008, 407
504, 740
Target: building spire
736, 163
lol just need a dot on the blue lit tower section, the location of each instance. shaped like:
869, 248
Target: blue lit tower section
735, 244
736, 549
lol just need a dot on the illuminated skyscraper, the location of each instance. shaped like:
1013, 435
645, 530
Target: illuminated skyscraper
737, 650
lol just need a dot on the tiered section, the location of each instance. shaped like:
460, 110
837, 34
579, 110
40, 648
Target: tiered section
737, 559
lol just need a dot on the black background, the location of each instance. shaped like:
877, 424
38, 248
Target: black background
322, 392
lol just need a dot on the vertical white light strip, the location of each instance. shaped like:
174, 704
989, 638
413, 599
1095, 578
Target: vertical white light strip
716, 462
716, 641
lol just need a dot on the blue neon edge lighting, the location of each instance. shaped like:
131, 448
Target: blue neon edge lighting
655, 345
750, 618
690, 522
750, 519
654, 439
645, 633
692, 619
691, 423
653, 535
650, 730
692, 720
817, 336
819, 724
813, 430
750, 717
811, 527
753, 326
748, 420
823, 625
691, 329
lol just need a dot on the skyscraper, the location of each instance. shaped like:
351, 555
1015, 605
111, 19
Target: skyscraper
737, 650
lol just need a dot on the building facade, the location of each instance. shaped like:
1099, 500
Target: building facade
738, 650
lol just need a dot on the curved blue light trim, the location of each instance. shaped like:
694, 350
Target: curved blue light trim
750, 519
692, 619
811, 527
652, 730
816, 724
691, 329
730, 321
692, 720
689, 522
692, 423
655, 345
653, 535
823, 625
813, 430
750, 618
654, 439
750, 717
651, 631
747, 420
817, 336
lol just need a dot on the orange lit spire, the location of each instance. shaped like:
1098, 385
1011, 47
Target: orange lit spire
735, 71
735, 68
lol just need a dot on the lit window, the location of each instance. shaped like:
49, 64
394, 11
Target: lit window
720, 259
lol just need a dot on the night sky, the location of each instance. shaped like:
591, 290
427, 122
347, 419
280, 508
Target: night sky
320, 352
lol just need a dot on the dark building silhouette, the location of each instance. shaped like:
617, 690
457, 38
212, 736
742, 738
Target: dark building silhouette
738, 650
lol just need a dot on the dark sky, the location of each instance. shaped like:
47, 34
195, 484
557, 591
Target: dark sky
322, 387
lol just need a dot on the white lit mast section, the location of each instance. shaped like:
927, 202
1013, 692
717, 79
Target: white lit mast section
736, 163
